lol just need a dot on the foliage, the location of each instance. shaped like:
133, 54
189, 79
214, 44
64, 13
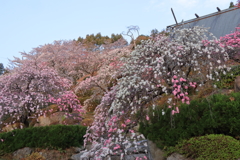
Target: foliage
106, 75
139, 39
128, 82
227, 80
29, 88
238, 4
155, 33
154, 68
69, 103
97, 40
218, 114
209, 147
74, 61
51, 137
69, 58
1, 69
231, 42
231, 5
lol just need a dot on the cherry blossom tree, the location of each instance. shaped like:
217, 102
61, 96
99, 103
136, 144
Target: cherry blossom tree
231, 42
29, 88
71, 59
238, 4
156, 67
106, 75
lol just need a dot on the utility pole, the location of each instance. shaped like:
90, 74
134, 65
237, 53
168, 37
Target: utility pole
174, 16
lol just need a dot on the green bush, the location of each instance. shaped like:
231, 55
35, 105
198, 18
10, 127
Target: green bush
52, 137
227, 80
208, 147
218, 114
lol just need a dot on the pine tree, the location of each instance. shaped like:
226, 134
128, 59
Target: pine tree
1, 69
231, 5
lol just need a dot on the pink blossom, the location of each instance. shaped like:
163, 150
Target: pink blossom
177, 110
187, 98
116, 147
123, 125
182, 80
132, 131
174, 92
147, 118
128, 121
183, 100
181, 94
110, 130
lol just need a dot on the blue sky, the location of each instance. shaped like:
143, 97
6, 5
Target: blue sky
26, 24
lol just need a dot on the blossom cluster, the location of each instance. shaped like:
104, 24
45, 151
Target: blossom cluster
156, 67
31, 87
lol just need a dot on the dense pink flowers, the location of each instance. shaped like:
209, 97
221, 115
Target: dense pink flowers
32, 86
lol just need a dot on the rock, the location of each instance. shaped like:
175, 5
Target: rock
139, 149
54, 118
11, 127
131, 150
156, 153
22, 153
57, 118
42, 121
237, 84
135, 156
127, 157
176, 156
76, 156
112, 158
81, 156
55, 154
78, 150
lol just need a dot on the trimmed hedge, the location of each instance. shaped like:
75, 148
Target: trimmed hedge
208, 147
51, 137
218, 114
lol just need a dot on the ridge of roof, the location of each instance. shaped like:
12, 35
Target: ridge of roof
203, 17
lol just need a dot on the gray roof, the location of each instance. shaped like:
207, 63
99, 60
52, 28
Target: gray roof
219, 23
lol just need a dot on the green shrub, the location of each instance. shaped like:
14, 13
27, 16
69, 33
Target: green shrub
227, 80
52, 137
208, 147
218, 114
